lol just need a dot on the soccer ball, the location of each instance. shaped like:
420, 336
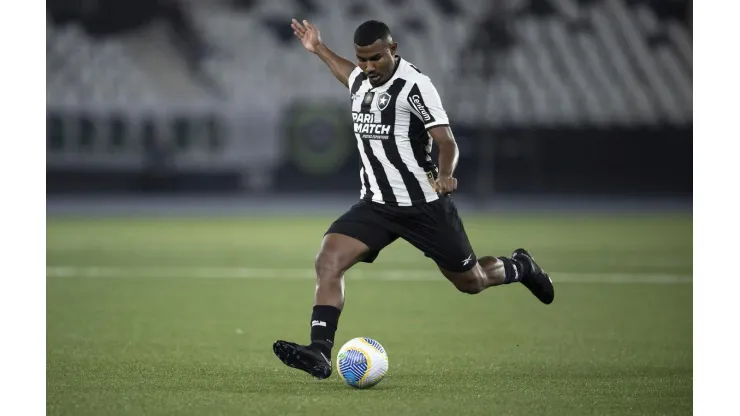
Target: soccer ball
362, 362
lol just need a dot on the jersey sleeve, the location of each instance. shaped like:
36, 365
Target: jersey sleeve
353, 76
424, 101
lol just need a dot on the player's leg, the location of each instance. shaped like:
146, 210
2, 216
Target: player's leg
493, 271
338, 253
485, 272
356, 236
442, 237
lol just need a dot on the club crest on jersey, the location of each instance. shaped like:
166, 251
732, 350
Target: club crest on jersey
368, 98
383, 100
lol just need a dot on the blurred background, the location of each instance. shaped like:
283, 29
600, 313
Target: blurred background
215, 100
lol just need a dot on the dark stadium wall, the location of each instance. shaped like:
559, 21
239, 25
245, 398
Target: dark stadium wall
617, 161
613, 161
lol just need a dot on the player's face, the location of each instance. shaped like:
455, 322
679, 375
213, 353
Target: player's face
376, 60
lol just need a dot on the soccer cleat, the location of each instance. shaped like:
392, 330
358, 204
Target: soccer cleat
304, 358
537, 281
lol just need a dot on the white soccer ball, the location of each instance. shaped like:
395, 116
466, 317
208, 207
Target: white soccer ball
362, 362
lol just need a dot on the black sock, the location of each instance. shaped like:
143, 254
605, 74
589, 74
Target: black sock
525, 268
324, 321
513, 270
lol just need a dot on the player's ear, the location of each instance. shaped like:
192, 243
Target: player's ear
393, 47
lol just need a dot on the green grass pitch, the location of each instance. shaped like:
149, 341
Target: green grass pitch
177, 316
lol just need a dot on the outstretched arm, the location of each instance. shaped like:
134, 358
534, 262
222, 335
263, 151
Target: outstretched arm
311, 39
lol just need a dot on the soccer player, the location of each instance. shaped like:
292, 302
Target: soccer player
397, 112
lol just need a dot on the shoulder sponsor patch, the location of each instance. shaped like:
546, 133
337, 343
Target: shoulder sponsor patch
417, 102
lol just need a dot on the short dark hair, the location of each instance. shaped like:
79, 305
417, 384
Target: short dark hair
370, 31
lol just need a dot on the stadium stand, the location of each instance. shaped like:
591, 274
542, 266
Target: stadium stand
545, 63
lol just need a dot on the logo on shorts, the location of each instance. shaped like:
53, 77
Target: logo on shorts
468, 260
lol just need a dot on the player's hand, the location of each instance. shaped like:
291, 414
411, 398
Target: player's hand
445, 185
308, 34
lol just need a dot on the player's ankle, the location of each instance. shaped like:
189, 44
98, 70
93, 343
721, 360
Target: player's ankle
524, 267
322, 347
513, 270
324, 322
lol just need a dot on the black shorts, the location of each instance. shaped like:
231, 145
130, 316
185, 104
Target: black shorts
435, 228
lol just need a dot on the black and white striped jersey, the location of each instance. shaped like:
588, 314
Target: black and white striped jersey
390, 124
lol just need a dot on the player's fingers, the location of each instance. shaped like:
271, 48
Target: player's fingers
438, 185
449, 186
297, 26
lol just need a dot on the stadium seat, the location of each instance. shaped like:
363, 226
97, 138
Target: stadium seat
568, 62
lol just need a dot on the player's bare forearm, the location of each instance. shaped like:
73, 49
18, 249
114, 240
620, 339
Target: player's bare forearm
448, 155
448, 151
340, 67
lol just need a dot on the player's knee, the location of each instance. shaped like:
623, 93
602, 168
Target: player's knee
470, 283
328, 265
